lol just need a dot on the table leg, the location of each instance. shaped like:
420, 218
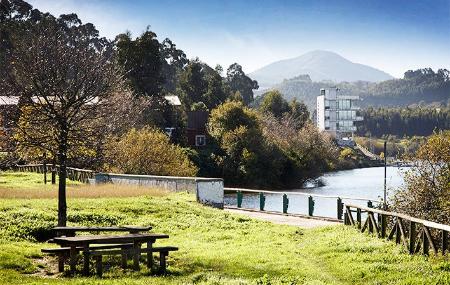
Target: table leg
149, 255
73, 259
86, 260
61, 262
136, 253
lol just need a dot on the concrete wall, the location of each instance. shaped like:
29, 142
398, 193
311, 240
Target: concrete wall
208, 191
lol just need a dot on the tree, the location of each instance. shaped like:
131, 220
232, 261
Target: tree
426, 193
148, 151
142, 61
64, 74
174, 60
308, 152
274, 103
298, 112
248, 160
239, 81
191, 84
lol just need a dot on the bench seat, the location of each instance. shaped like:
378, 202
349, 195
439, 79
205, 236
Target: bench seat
163, 253
63, 252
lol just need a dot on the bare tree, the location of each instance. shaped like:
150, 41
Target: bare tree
64, 74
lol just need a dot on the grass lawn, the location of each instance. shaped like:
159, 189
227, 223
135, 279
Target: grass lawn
216, 247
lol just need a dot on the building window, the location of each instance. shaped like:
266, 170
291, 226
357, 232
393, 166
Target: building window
200, 140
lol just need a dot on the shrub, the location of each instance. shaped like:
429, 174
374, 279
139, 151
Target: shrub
148, 151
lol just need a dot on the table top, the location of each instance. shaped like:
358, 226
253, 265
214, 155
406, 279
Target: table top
105, 229
99, 239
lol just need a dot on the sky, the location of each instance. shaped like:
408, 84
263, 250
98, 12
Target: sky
391, 35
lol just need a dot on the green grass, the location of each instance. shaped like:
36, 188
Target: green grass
216, 247
27, 180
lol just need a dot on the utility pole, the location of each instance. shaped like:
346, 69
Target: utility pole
385, 170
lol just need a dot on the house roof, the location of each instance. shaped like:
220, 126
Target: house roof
7, 100
173, 100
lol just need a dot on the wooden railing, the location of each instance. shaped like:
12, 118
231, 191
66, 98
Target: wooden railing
75, 174
414, 234
311, 200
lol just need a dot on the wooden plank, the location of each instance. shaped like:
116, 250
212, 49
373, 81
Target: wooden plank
430, 239
393, 231
374, 224
419, 241
103, 229
365, 225
401, 227
105, 239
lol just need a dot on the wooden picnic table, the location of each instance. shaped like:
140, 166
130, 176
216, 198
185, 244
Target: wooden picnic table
71, 231
85, 241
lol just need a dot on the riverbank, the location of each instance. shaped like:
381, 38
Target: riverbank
216, 247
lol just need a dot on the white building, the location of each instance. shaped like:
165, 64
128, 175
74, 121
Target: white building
337, 113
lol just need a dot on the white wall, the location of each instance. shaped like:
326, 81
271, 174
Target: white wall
209, 191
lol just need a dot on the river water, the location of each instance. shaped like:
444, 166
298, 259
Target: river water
357, 183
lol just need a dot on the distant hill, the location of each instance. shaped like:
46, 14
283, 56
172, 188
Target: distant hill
319, 65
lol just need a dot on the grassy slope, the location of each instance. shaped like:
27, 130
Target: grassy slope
215, 247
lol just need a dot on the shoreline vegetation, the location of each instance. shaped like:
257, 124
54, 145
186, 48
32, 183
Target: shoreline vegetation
216, 247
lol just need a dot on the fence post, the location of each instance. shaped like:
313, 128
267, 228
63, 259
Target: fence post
262, 201
358, 217
340, 208
239, 199
285, 203
369, 204
412, 237
310, 206
444, 241
383, 226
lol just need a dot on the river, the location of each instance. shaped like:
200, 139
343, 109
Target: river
362, 183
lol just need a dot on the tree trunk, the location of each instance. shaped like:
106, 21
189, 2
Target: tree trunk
62, 203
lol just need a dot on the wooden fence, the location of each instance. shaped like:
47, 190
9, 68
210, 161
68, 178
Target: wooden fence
75, 174
414, 234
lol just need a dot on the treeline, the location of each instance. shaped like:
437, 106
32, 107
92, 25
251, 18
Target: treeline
402, 122
416, 88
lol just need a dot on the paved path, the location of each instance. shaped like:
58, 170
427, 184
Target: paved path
278, 218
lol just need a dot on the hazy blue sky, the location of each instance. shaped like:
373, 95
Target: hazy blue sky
392, 35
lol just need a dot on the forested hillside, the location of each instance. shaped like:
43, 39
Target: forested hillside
418, 87
403, 121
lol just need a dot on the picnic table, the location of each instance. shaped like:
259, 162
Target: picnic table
71, 231
134, 241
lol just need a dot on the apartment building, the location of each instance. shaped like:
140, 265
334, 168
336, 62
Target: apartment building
337, 113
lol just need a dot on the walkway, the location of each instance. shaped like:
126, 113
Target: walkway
279, 218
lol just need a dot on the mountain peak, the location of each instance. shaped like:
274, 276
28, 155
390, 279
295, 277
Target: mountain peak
319, 65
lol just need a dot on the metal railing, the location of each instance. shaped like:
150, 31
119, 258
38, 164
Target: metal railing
414, 234
311, 200
74, 174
